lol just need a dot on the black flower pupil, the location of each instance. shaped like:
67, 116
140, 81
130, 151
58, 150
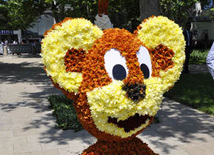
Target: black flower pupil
144, 68
119, 72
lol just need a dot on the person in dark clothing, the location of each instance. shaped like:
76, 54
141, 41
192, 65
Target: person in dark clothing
188, 38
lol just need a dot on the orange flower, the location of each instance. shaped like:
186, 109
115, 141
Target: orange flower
73, 60
161, 59
130, 147
103, 7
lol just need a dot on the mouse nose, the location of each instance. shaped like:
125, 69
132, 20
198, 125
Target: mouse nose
135, 91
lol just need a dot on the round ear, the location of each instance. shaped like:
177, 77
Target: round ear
63, 49
156, 32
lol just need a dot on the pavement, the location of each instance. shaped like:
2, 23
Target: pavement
27, 126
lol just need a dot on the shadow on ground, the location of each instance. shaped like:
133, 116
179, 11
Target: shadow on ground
23, 72
176, 121
179, 123
33, 73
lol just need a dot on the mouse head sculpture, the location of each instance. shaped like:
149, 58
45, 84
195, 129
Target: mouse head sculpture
117, 79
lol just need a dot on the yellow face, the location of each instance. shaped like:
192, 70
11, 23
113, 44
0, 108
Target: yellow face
118, 82
116, 114
118, 77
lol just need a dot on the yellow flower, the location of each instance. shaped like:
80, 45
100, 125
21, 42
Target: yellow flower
73, 33
111, 101
161, 30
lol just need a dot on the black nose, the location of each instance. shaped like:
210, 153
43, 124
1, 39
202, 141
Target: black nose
135, 91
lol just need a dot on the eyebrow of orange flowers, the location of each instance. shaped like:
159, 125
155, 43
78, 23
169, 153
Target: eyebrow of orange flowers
74, 60
161, 59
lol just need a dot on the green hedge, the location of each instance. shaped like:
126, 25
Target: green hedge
198, 56
64, 112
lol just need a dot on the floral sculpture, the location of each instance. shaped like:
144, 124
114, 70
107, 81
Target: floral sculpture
103, 7
102, 20
117, 79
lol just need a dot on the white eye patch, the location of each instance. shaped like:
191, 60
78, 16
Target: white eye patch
115, 65
145, 62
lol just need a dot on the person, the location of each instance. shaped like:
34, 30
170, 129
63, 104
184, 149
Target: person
206, 39
1, 47
5, 42
210, 61
188, 49
198, 9
15, 42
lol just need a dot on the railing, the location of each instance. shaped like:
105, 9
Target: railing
23, 48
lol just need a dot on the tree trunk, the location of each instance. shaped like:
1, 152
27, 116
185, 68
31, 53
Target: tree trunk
149, 8
54, 12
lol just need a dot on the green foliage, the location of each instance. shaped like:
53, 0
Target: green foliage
3, 15
125, 14
64, 112
122, 13
194, 90
22, 13
177, 10
72, 8
198, 56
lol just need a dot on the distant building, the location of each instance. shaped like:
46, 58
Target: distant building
35, 33
44, 23
10, 35
202, 25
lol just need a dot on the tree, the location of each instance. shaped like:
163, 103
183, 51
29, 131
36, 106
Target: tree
22, 13
149, 8
3, 15
124, 14
178, 10
72, 8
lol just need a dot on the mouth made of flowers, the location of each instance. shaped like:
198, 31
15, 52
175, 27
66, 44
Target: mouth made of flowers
130, 123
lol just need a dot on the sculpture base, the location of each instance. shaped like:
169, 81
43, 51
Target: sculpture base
131, 147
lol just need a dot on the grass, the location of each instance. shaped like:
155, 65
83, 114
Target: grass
198, 56
194, 90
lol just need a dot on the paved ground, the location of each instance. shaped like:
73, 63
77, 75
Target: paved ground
27, 126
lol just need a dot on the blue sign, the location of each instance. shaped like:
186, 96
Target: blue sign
6, 32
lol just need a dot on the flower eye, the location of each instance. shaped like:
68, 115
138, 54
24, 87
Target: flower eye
115, 65
145, 62
145, 69
119, 72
